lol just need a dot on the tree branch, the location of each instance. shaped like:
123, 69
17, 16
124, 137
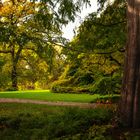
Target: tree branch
2, 51
110, 24
116, 61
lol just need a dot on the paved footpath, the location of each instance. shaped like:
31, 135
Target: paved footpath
82, 105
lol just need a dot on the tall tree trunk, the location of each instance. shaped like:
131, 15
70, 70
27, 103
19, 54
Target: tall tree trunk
14, 76
14, 68
130, 105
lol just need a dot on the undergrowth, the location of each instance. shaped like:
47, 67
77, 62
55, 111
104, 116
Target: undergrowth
49, 124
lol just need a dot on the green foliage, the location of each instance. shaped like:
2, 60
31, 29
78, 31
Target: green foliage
63, 89
106, 85
108, 99
95, 56
84, 81
97, 132
39, 122
60, 89
4, 81
41, 54
83, 78
73, 80
4, 72
32, 29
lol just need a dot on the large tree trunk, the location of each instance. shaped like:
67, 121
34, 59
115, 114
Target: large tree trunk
130, 107
14, 68
14, 76
15, 58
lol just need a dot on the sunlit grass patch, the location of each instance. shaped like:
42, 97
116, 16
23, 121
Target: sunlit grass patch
46, 95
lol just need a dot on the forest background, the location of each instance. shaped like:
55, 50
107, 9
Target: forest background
34, 55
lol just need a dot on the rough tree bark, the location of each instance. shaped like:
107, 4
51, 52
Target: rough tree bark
130, 105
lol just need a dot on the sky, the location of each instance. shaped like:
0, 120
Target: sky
68, 30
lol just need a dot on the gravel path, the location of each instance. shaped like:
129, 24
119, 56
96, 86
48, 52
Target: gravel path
82, 105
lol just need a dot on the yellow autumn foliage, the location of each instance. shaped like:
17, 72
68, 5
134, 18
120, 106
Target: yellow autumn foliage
18, 8
109, 68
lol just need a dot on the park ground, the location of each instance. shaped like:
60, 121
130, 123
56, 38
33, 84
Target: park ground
42, 115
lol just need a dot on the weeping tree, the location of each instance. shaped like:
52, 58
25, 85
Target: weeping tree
96, 53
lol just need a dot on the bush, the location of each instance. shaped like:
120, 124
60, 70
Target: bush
82, 79
11, 89
59, 89
106, 85
80, 84
62, 89
69, 122
66, 86
108, 99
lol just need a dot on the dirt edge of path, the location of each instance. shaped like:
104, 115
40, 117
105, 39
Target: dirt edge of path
58, 103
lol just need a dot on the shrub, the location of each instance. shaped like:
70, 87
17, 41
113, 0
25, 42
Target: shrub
11, 89
59, 89
85, 84
69, 122
108, 99
82, 79
106, 85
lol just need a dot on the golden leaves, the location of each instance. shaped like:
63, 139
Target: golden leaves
109, 68
18, 8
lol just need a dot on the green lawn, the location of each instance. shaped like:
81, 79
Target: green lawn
49, 96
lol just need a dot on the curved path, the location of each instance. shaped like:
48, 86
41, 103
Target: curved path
74, 104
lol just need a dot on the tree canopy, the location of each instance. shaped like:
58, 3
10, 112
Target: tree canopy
95, 56
33, 27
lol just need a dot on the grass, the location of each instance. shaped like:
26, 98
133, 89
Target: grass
42, 122
46, 95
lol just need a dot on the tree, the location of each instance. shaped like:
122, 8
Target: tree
130, 104
131, 83
95, 56
19, 28
39, 23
